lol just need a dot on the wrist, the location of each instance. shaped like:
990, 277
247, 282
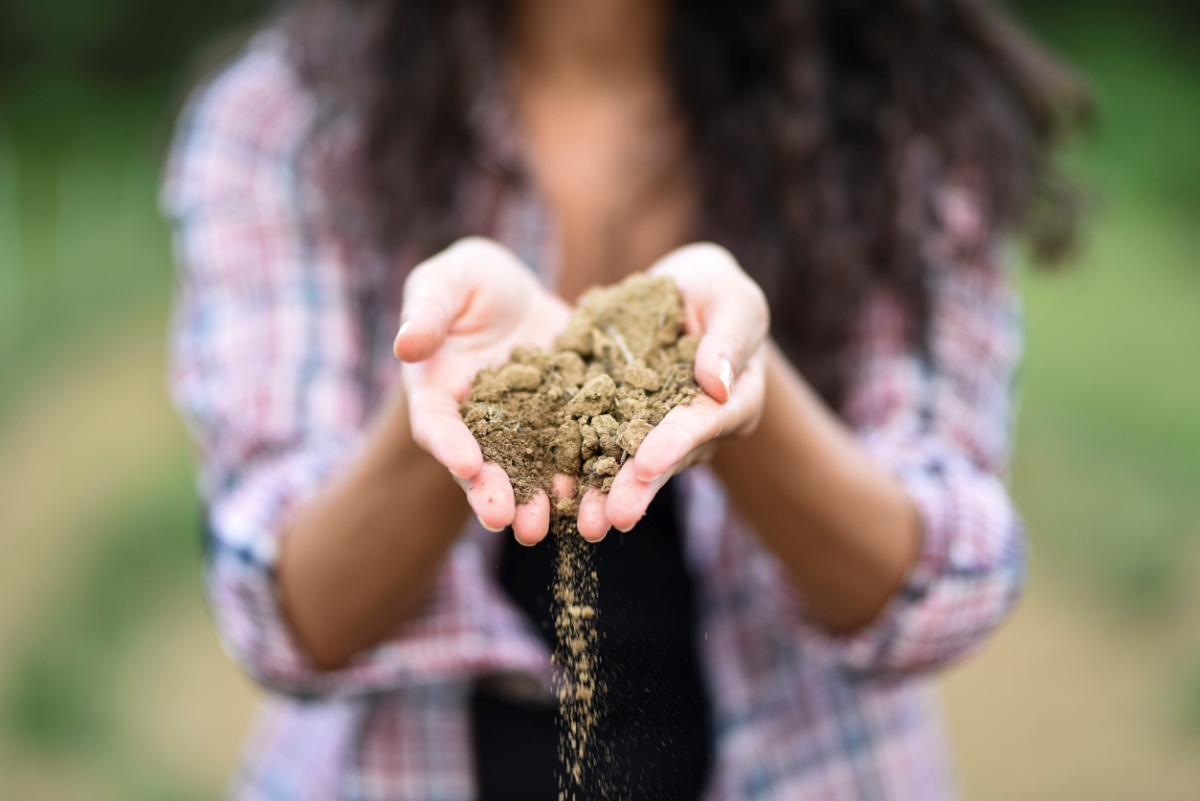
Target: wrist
790, 424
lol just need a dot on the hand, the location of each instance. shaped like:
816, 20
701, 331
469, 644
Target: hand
466, 309
728, 310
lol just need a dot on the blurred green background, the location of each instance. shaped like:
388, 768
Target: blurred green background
112, 685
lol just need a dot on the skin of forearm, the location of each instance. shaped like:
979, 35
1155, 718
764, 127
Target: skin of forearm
361, 557
844, 528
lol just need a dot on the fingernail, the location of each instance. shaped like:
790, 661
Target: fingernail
407, 315
489, 528
523, 542
726, 377
625, 530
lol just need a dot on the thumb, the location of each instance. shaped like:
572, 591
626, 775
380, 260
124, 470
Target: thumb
728, 307
473, 273
436, 293
734, 326
423, 329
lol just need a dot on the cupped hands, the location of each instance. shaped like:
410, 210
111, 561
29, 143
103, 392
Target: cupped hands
467, 308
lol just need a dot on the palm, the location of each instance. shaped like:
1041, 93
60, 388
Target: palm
486, 336
466, 309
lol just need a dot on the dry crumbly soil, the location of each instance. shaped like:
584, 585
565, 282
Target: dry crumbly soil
581, 410
584, 407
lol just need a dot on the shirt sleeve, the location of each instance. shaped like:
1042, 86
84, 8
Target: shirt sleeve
271, 372
266, 357
940, 421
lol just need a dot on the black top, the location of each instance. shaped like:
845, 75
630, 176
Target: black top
656, 722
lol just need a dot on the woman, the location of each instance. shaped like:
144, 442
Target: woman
776, 616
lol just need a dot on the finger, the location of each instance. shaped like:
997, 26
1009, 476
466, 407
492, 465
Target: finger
438, 428
687, 429
490, 495
564, 489
532, 520
630, 497
593, 522
422, 332
730, 309
719, 360
434, 295
436, 292
684, 429
564, 486
441, 295
735, 324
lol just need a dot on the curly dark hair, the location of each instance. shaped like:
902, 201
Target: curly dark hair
801, 115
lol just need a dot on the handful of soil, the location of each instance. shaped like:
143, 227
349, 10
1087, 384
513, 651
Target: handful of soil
582, 409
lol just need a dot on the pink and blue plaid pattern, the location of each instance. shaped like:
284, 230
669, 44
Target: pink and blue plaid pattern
281, 352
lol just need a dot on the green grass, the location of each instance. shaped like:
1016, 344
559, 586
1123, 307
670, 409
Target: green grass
1109, 456
1109, 442
82, 249
81, 242
1110, 445
59, 694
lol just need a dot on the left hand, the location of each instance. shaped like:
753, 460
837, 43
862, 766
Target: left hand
728, 310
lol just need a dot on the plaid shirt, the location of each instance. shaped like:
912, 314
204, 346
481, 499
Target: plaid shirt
281, 352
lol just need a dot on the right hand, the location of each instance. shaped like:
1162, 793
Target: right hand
466, 309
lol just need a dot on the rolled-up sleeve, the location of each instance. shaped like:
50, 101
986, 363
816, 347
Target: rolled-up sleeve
266, 357
272, 370
940, 421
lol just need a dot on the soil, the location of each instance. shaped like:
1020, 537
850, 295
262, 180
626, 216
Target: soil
582, 409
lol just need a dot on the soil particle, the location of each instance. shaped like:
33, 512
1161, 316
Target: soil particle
596, 397
570, 366
687, 348
567, 448
638, 375
631, 435
523, 377
604, 466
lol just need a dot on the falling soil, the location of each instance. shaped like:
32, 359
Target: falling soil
582, 409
